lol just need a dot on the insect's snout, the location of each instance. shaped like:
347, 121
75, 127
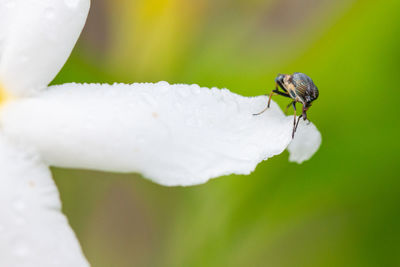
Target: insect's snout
279, 79
304, 114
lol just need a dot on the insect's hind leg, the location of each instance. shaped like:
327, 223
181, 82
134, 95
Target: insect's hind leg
294, 119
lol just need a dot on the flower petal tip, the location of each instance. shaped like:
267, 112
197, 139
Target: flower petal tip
305, 144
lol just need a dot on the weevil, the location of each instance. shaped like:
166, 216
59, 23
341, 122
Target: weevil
300, 88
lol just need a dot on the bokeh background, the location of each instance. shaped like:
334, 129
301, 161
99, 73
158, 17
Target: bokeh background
341, 208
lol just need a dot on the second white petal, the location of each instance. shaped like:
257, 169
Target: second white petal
36, 38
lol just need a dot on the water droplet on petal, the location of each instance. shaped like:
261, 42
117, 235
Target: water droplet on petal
163, 83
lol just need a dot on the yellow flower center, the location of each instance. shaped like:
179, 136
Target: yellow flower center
4, 95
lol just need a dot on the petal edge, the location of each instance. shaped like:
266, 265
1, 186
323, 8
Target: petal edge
33, 230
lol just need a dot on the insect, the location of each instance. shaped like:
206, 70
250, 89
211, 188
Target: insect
300, 88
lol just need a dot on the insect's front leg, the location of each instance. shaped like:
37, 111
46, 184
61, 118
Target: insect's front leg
272, 93
270, 97
267, 107
276, 91
279, 83
269, 100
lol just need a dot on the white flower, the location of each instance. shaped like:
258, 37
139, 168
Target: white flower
172, 134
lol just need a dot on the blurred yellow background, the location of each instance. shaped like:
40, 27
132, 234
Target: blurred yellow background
341, 208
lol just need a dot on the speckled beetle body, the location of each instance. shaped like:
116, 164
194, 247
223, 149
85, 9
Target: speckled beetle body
300, 88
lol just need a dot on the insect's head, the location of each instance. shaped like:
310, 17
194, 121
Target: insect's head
280, 79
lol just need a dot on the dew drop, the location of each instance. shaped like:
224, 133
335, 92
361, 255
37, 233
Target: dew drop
163, 83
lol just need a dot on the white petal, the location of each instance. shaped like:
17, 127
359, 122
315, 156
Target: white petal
36, 38
172, 134
33, 231
305, 143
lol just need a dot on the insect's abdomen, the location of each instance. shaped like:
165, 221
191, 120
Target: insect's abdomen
301, 83
301, 88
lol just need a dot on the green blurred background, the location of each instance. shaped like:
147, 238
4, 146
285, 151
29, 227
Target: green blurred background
341, 208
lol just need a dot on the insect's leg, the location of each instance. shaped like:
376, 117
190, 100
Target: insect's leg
297, 124
269, 100
304, 112
270, 96
305, 117
282, 93
261, 112
281, 86
294, 119
287, 107
276, 91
